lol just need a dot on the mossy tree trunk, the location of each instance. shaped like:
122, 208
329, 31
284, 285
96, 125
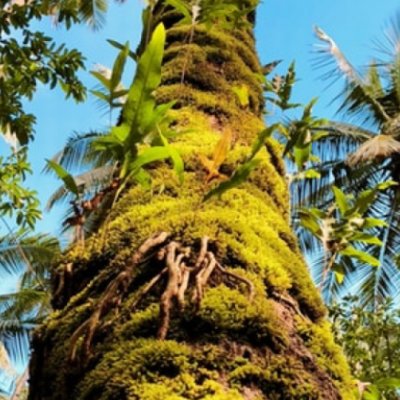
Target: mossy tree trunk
248, 323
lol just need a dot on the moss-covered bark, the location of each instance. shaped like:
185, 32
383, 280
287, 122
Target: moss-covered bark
276, 345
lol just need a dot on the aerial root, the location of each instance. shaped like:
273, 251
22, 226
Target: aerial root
113, 295
181, 272
64, 277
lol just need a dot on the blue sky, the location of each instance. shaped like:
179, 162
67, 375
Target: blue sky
284, 31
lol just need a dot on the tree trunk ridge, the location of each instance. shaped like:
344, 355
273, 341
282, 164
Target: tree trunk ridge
222, 282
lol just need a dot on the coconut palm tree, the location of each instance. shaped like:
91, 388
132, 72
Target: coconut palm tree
187, 295
359, 155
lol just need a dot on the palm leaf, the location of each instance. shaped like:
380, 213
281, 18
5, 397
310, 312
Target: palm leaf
358, 94
16, 250
375, 149
77, 153
93, 12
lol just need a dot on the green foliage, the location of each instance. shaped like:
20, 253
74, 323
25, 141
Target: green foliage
355, 159
225, 14
282, 87
300, 136
16, 201
141, 118
240, 175
68, 179
127, 149
370, 339
243, 171
31, 59
341, 227
29, 258
111, 90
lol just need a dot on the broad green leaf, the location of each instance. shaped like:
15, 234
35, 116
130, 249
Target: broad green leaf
140, 102
301, 155
102, 79
371, 393
120, 46
240, 176
118, 67
340, 199
366, 238
374, 223
386, 185
120, 132
119, 93
143, 178
100, 95
388, 383
361, 256
67, 178
176, 159
182, 8
261, 138
339, 272
154, 118
148, 156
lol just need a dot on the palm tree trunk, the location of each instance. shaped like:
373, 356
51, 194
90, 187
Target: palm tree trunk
190, 299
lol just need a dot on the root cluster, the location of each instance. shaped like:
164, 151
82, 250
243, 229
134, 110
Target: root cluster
180, 275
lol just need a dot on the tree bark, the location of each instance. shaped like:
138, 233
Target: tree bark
186, 299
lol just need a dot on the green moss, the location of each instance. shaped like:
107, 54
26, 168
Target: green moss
217, 39
284, 378
227, 310
319, 339
148, 369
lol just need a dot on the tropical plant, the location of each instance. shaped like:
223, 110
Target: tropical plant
29, 58
118, 157
358, 157
346, 235
370, 339
25, 258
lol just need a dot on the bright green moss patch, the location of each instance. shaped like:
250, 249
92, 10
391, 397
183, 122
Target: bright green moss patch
280, 380
226, 310
147, 369
319, 339
217, 39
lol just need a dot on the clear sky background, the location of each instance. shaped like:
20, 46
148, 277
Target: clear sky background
284, 31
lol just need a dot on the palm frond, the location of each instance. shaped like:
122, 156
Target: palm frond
77, 153
20, 312
16, 251
390, 44
358, 93
93, 12
376, 149
14, 334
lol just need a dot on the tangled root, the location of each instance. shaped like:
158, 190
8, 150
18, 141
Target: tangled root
179, 274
